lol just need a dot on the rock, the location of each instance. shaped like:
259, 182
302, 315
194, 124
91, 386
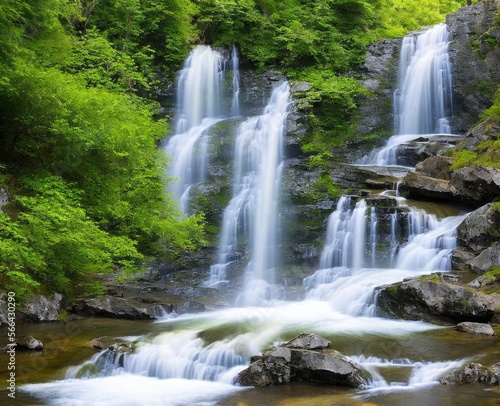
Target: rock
460, 258
102, 342
476, 185
308, 341
480, 229
487, 259
272, 369
475, 328
436, 301
435, 167
482, 280
192, 307
379, 76
474, 60
294, 362
420, 186
486, 130
473, 373
311, 366
115, 307
4, 197
30, 343
41, 308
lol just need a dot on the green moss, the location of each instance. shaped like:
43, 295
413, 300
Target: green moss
462, 158
392, 291
430, 278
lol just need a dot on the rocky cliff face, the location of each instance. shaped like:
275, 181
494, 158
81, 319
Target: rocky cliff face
475, 54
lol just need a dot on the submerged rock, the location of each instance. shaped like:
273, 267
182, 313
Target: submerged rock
297, 361
475, 328
30, 343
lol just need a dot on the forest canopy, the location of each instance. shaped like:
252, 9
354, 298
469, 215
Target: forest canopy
79, 126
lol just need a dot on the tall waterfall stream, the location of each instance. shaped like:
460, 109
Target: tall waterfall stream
192, 359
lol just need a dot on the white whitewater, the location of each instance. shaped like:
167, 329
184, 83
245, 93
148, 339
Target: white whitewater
252, 214
423, 100
199, 107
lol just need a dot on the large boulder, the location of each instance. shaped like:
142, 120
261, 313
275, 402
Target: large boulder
480, 230
438, 301
476, 185
301, 359
35, 308
123, 308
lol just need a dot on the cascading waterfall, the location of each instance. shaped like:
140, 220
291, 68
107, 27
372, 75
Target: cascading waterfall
253, 210
192, 359
423, 100
349, 283
199, 96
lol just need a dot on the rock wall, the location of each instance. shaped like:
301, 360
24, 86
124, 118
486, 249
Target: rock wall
475, 56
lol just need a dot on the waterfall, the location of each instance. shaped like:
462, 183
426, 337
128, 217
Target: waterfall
235, 103
344, 278
193, 358
199, 108
345, 236
422, 102
254, 207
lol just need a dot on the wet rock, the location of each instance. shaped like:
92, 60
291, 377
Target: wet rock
473, 373
30, 343
475, 328
308, 341
102, 342
115, 345
291, 362
431, 299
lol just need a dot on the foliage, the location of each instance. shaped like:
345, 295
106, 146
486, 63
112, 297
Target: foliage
79, 150
398, 17
333, 98
487, 153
